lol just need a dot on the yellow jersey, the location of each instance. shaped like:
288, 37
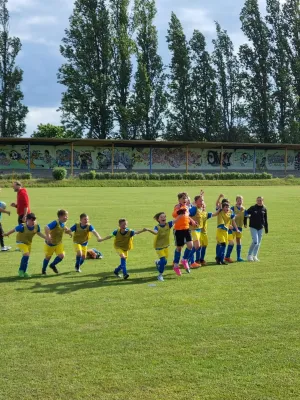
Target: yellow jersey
26, 234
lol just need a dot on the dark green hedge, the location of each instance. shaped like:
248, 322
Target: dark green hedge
172, 176
19, 176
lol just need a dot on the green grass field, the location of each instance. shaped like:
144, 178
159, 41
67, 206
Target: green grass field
222, 332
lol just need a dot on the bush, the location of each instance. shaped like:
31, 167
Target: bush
155, 177
133, 175
23, 175
59, 173
290, 176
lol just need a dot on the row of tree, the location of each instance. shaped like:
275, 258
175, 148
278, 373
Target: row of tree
117, 85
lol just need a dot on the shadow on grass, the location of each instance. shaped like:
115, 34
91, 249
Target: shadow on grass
10, 279
100, 280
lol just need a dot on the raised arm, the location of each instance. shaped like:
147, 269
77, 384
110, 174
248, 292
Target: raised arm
218, 202
9, 232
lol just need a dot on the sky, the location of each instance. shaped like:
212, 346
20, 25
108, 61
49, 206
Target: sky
40, 25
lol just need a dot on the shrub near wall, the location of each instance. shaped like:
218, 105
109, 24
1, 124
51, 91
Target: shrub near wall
9, 177
172, 176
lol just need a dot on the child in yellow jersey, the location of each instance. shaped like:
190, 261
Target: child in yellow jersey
25, 234
225, 219
82, 232
182, 233
240, 214
196, 213
54, 234
123, 243
161, 241
203, 236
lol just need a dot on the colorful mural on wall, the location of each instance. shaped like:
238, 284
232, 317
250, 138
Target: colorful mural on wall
144, 159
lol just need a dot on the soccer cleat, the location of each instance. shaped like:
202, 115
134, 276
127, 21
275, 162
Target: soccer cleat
177, 271
117, 273
195, 265
198, 261
21, 274
160, 278
223, 263
250, 258
229, 260
203, 263
54, 269
5, 248
255, 259
240, 259
26, 275
185, 264
44, 272
77, 269
126, 276
218, 261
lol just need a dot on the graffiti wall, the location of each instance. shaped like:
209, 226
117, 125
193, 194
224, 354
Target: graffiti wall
146, 159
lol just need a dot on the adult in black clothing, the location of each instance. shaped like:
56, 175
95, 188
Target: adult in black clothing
258, 223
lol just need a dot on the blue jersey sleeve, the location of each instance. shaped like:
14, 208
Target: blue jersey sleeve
156, 228
209, 215
73, 228
132, 233
115, 232
19, 228
91, 228
52, 225
193, 211
246, 214
232, 216
171, 223
39, 229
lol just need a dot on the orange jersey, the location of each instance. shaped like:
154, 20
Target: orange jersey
183, 221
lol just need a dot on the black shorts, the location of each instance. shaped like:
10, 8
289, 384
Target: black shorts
182, 237
20, 217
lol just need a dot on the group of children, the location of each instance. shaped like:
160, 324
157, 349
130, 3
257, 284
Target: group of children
189, 225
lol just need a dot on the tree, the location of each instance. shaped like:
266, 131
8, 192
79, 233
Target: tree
291, 26
281, 72
149, 91
179, 124
12, 111
255, 59
52, 131
87, 102
122, 50
229, 87
206, 111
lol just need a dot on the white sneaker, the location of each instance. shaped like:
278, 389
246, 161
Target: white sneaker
250, 258
5, 248
160, 278
255, 259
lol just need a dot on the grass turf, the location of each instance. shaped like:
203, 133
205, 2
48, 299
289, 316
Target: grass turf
222, 332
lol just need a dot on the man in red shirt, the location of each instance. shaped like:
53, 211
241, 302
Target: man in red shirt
22, 205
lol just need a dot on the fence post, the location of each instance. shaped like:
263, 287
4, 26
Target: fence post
254, 160
221, 160
72, 159
150, 160
29, 157
187, 160
285, 161
112, 157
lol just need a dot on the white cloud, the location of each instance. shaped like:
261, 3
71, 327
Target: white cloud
40, 20
19, 5
197, 18
41, 115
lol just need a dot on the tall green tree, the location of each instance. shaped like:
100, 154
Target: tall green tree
122, 50
12, 111
229, 87
149, 87
87, 74
291, 25
281, 72
179, 124
206, 117
255, 58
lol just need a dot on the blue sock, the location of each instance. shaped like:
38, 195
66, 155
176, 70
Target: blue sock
192, 258
24, 263
187, 254
78, 259
238, 250
177, 256
118, 269
219, 250
45, 264
222, 252
203, 251
82, 260
161, 265
229, 250
198, 254
56, 261
123, 266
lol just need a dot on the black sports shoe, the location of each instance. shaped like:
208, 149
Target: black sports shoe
223, 263
54, 269
44, 272
126, 276
117, 273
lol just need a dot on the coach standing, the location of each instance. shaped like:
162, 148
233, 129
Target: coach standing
258, 222
22, 205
